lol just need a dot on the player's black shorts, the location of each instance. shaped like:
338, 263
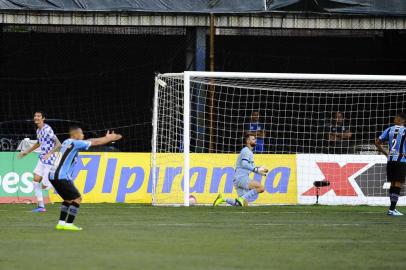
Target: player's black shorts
396, 171
65, 189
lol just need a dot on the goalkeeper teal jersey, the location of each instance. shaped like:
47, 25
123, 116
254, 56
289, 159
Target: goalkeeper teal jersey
245, 163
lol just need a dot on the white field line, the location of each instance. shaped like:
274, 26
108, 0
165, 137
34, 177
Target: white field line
294, 212
261, 212
318, 224
210, 225
215, 225
116, 207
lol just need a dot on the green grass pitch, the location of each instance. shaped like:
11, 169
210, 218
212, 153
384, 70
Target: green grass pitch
126, 236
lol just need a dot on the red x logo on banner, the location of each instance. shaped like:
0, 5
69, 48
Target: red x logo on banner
338, 178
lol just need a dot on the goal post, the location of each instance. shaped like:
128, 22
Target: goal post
186, 138
171, 140
196, 136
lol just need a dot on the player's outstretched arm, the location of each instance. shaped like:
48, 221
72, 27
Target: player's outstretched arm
32, 148
109, 137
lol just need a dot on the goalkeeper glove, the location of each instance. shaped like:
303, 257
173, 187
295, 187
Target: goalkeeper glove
261, 170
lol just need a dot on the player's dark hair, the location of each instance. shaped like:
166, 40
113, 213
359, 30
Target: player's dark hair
41, 112
247, 135
72, 128
402, 116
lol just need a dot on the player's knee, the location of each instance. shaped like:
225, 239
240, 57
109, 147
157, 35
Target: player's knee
37, 178
260, 189
78, 200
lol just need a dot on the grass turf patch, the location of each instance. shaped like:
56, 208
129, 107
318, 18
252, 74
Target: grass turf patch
126, 236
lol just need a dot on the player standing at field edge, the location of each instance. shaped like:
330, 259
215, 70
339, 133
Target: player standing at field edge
245, 187
62, 170
47, 140
396, 165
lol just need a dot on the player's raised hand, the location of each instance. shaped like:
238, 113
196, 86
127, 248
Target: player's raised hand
112, 136
117, 136
109, 135
263, 170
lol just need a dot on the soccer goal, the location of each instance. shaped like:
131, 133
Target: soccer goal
309, 127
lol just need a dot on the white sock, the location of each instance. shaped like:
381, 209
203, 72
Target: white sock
61, 222
249, 194
38, 194
230, 201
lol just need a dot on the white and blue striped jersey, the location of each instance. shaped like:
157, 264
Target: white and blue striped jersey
395, 135
245, 163
67, 158
47, 141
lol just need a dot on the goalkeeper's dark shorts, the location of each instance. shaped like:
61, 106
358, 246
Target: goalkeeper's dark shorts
66, 189
396, 171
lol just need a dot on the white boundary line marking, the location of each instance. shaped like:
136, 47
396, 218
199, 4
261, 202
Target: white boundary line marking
209, 225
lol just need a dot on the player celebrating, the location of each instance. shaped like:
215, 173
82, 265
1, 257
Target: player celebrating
396, 165
47, 140
245, 187
61, 173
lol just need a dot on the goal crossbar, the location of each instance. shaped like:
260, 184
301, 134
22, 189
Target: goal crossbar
287, 76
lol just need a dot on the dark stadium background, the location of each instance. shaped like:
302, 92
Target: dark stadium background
106, 80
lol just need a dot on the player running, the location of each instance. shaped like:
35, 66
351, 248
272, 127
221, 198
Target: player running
62, 170
396, 165
245, 187
47, 140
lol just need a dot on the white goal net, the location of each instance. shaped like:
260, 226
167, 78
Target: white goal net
309, 128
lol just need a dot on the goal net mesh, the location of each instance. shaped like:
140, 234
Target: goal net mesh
332, 120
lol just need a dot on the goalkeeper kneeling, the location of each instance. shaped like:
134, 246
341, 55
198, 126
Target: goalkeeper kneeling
245, 187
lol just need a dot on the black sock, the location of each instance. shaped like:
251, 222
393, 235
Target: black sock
64, 211
73, 211
394, 193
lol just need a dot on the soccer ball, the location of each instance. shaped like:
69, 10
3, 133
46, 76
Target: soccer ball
192, 200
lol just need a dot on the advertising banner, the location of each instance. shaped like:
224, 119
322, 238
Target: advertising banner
113, 177
127, 177
16, 178
354, 179
211, 174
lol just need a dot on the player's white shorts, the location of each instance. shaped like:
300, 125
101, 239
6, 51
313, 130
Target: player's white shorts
43, 170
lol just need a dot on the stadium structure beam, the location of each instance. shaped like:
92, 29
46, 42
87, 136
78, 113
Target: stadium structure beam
266, 20
200, 47
196, 60
212, 88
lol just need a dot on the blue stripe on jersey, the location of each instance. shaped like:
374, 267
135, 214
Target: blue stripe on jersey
63, 170
395, 136
65, 164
